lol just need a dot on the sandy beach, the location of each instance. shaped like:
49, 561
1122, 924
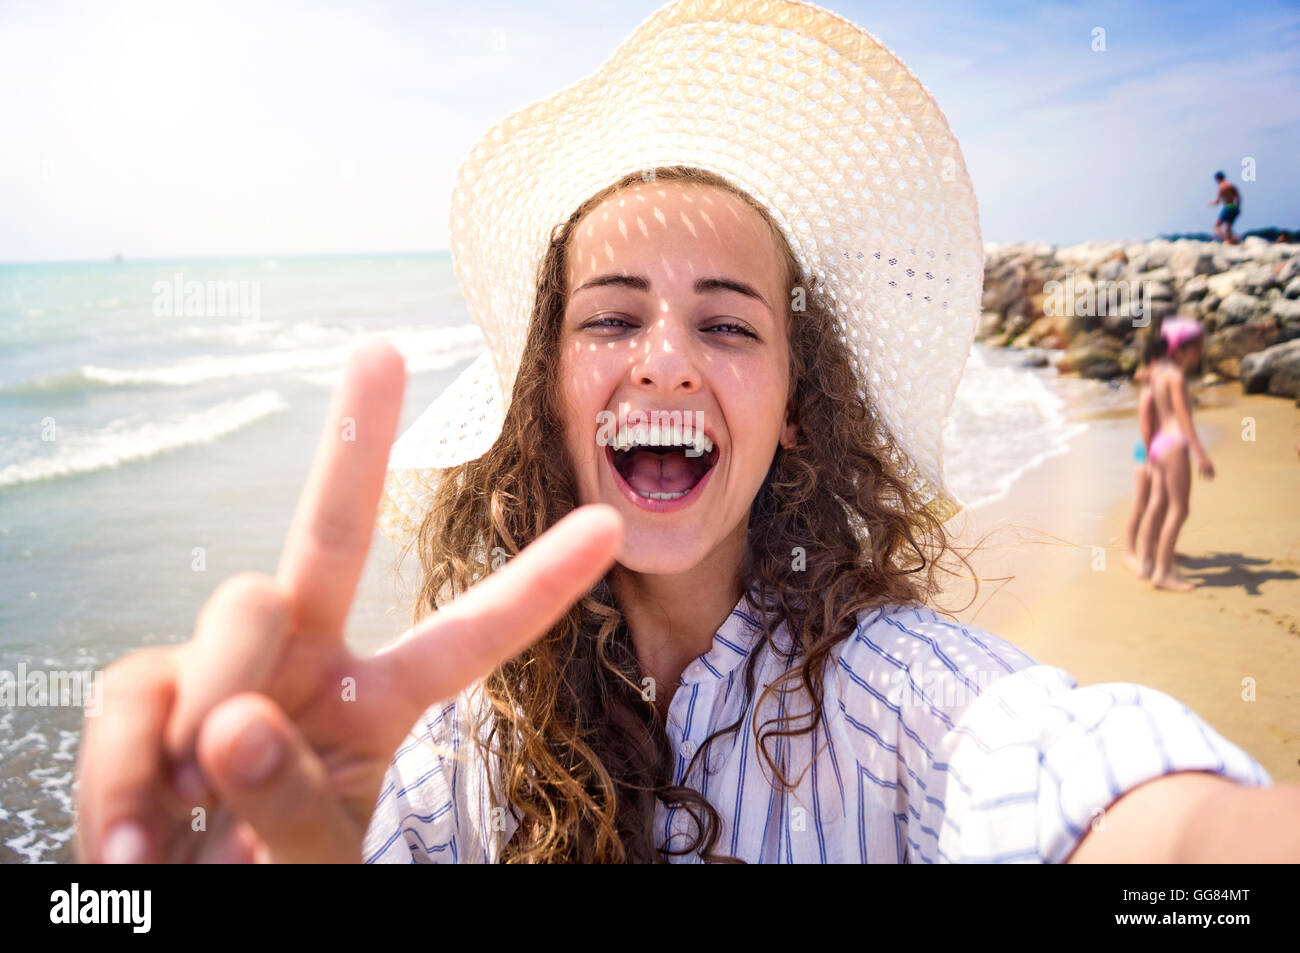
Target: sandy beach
1056, 585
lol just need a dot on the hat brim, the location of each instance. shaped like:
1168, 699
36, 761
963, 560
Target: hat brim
473, 400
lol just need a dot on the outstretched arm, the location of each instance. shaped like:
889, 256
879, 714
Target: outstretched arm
1194, 817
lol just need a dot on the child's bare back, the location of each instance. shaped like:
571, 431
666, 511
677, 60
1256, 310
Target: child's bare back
1166, 377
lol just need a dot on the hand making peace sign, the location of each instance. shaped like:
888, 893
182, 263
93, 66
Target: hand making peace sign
250, 719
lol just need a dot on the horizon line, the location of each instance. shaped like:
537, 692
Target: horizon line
224, 256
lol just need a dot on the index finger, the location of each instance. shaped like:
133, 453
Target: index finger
501, 615
326, 547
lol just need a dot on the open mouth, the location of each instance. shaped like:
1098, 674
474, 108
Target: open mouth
656, 474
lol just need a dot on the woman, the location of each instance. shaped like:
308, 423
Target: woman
1169, 504
651, 644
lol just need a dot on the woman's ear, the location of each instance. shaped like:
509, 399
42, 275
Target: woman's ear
789, 432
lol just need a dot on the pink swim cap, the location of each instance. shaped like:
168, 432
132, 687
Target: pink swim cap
1179, 331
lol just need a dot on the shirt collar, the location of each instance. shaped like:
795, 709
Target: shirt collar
732, 644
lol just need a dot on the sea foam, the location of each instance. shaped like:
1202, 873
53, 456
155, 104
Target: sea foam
304, 350
1005, 421
121, 442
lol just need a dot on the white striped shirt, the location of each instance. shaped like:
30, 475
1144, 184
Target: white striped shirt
940, 743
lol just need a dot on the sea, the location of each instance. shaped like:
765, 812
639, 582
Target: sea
157, 420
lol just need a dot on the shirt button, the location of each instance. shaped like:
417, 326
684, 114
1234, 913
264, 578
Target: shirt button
687, 749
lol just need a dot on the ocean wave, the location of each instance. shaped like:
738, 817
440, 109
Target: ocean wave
303, 349
120, 442
415, 364
48, 386
242, 333
1005, 421
422, 348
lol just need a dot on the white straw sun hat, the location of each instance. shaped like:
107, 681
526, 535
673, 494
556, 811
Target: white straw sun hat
806, 112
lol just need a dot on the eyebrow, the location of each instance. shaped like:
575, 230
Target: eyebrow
702, 285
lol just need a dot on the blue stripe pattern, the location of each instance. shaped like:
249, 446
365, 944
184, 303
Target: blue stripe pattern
959, 746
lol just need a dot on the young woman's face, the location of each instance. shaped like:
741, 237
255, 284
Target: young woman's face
676, 303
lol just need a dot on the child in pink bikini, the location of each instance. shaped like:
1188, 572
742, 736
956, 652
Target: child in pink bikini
1171, 468
1143, 472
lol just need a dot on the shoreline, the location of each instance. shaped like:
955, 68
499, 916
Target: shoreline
1070, 600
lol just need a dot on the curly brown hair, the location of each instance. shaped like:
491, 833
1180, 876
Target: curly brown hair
583, 759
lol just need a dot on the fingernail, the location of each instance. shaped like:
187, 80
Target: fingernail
254, 755
126, 843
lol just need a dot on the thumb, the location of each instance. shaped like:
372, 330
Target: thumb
268, 775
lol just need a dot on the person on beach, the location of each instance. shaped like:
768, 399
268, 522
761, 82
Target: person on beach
635, 643
1143, 473
1167, 509
1231, 198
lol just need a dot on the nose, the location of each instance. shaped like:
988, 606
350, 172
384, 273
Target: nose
666, 361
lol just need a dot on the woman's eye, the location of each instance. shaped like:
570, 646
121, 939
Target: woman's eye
607, 321
730, 329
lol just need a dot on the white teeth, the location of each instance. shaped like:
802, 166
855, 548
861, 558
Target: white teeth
662, 496
658, 434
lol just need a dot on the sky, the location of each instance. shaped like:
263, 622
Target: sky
184, 129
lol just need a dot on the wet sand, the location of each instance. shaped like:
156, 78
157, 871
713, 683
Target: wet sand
1073, 602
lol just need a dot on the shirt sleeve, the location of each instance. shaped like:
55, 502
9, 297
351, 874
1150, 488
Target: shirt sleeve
414, 820
1033, 763
994, 757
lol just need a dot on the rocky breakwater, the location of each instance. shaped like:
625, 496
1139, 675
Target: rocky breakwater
1092, 305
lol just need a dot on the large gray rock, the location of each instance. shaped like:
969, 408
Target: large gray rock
1110, 270
1288, 271
1088, 255
1293, 288
1158, 291
1226, 349
1152, 255
1258, 278
1226, 282
1258, 368
1161, 276
1158, 311
1208, 307
1096, 354
1191, 259
1003, 290
1285, 381
1285, 310
1194, 288
1239, 308
1273, 252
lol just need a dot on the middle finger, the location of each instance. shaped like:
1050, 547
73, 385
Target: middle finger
326, 547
